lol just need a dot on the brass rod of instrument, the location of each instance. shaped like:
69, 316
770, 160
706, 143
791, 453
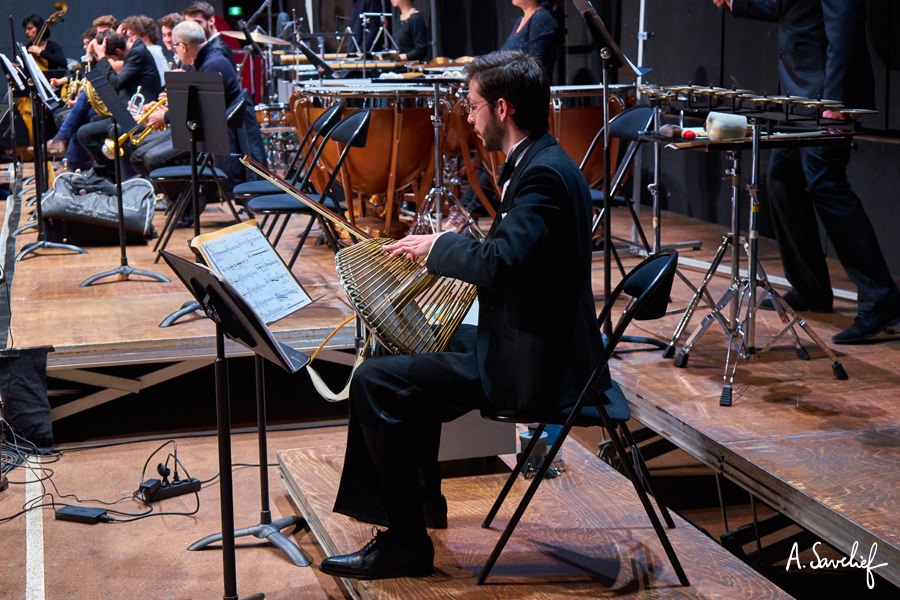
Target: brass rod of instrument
302, 197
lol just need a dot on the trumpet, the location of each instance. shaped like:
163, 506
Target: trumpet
136, 137
136, 103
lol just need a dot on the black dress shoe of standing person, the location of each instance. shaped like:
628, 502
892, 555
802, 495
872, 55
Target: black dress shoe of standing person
866, 326
385, 556
796, 303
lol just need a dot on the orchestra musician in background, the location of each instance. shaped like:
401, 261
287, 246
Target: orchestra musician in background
410, 34
823, 54
50, 53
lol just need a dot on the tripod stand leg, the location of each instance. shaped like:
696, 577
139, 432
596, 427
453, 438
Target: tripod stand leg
268, 532
698, 294
681, 356
41, 244
187, 308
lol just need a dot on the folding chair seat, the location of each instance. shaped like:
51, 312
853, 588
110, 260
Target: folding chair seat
648, 285
351, 132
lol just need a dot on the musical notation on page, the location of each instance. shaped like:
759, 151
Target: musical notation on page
243, 257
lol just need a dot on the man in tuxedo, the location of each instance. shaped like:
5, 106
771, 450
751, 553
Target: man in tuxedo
534, 346
822, 53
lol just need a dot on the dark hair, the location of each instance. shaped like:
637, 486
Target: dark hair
114, 42
37, 21
143, 26
89, 33
105, 21
520, 80
204, 8
170, 20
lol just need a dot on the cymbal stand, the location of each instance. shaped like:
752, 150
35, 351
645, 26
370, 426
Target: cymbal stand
428, 218
740, 323
388, 43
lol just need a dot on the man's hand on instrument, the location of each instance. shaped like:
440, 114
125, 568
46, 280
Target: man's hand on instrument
720, 3
833, 114
412, 246
157, 119
58, 82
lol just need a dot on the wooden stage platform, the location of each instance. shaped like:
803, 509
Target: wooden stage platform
585, 534
824, 452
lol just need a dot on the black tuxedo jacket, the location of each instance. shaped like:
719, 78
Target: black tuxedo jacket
537, 338
822, 47
139, 70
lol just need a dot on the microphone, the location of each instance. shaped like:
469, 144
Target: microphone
242, 25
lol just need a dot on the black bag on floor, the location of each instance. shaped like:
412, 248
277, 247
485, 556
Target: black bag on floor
81, 209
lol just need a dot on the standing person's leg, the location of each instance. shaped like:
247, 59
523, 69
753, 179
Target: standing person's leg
856, 245
797, 232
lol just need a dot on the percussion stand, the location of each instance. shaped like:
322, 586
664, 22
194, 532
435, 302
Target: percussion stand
428, 218
740, 324
388, 43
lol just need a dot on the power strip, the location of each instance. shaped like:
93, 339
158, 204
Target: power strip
153, 490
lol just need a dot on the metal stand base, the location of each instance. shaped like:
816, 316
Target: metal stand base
32, 225
270, 532
124, 272
41, 244
187, 308
735, 327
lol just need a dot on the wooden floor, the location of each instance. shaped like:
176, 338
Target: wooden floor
823, 451
585, 534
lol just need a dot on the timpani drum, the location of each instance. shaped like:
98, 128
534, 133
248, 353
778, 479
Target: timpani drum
576, 116
400, 140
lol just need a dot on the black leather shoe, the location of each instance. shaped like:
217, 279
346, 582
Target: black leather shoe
796, 303
866, 326
382, 558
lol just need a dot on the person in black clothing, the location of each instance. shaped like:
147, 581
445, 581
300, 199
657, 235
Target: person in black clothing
822, 53
534, 33
129, 66
410, 35
48, 50
532, 349
204, 15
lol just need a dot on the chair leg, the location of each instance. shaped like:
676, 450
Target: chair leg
301, 241
523, 503
642, 495
512, 477
644, 474
281, 229
178, 213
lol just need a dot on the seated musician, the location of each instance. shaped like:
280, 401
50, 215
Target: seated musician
192, 48
411, 35
80, 112
204, 15
534, 33
144, 29
166, 23
47, 51
128, 66
533, 347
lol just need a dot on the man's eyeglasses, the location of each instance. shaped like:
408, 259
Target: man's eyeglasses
470, 108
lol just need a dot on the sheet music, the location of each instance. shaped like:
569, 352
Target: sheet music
13, 72
246, 259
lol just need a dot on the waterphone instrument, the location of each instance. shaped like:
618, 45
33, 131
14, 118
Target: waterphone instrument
406, 308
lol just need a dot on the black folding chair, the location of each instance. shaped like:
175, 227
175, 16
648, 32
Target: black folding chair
648, 285
626, 126
351, 132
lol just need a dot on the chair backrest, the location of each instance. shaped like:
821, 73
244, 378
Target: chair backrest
351, 132
627, 124
649, 285
300, 164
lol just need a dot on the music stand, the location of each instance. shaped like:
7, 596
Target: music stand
15, 83
322, 67
196, 99
237, 320
611, 58
42, 97
122, 121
